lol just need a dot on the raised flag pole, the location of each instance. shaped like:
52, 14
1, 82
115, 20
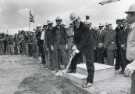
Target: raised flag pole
29, 25
31, 19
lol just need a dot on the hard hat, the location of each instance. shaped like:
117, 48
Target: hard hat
58, 19
73, 17
49, 22
101, 25
131, 9
38, 26
45, 26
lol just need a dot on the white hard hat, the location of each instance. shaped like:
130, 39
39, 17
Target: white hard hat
39, 26
58, 19
49, 22
101, 25
73, 17
131, 9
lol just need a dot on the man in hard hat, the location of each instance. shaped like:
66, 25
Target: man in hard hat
49, 44
99, 53
83, 40
121, 42
131, 44
60, 44
40, 43
110, 44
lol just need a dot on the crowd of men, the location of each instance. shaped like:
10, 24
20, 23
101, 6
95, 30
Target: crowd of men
54, 45
109, 45
18, 43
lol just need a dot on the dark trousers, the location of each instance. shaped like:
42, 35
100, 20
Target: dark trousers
40, 44
99, 55
5, 47
121, 61
60, 56
110, 57
89, 63
41, 51
76, 60
133, 83
30, 50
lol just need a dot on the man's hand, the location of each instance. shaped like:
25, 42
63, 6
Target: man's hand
129, 69
128, 72
123, 46
100, 45
74, 48
52, 48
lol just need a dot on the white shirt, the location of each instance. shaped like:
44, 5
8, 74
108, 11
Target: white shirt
42, 35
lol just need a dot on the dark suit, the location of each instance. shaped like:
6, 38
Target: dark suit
40, 44
121, 42
59, 42
110, 46
100, 51
83, 39
48, 43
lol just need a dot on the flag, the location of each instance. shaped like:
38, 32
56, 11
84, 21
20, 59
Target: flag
87, 17
107, 2
31, 17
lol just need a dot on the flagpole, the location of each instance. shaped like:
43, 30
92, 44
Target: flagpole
29, 25
29, 21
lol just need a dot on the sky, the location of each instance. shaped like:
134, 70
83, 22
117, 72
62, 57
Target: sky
14, 13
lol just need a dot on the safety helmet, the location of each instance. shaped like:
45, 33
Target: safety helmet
101, 25
73, 17
131, 9
49, 22
38, 26
58, 19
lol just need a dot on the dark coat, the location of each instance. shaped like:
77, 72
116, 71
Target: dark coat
38, 34
94, 34
101, 36
121, 36
83, 38
59, 35
49, 38
110, 39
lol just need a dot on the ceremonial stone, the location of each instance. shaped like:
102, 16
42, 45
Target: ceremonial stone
102, 72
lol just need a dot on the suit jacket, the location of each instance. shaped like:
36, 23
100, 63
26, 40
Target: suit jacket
100, 36
59, 35
121, 36
49, 37
94, 35
83, 38
110, 39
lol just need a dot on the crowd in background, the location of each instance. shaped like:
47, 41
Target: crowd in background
18, 43
54, 43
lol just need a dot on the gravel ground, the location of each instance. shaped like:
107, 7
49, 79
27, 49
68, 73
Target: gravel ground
25, 75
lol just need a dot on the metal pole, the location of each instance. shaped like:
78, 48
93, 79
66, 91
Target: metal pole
29, 25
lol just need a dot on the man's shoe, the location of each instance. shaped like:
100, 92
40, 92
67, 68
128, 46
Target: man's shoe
117, 71
121, 72
87, 85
